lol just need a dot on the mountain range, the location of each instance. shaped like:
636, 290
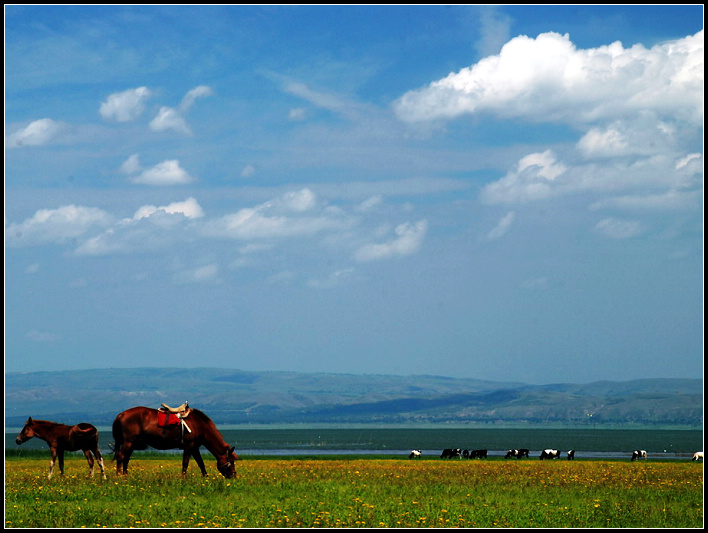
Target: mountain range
232, 396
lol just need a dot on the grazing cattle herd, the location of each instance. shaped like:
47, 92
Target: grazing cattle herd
548, 453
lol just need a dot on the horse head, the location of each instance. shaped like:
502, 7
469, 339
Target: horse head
27, 433
227, 468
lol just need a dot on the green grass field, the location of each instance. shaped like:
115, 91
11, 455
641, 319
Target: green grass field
358, 492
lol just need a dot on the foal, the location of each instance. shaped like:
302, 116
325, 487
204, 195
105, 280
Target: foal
61, 438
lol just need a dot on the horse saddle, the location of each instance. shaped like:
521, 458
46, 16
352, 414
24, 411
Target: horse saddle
171, 416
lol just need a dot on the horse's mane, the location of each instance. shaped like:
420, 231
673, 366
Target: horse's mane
47, 423
199, 414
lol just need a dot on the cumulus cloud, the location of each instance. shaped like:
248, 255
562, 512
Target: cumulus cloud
295, 213
292, 218
639, 111
408, 241
532, 179
165, 173
190, 208
60, 225
548, 78
125, 106
150, 228
169, 118
37, 133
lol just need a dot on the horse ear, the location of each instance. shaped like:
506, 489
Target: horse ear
29, 420
233, 449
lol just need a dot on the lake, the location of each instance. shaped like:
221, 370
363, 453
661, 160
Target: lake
588, 442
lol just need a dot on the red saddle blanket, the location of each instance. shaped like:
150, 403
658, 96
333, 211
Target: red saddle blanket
167, 419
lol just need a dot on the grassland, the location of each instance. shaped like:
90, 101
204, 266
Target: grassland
359, 492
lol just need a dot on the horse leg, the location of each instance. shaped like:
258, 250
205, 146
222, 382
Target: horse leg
89, 459
200, 462
99, 457
53, 451
123, 457
60, 453
185, 461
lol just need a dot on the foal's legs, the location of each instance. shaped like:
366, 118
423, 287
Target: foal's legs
53, 451
97, 454
89, 458
61, 460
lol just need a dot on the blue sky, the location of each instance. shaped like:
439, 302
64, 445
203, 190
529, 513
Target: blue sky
509, 193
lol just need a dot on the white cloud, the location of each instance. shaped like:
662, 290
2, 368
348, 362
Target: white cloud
56, 225
190, 208
198, 92
295, 213
169, 118
502, 226
639, 110
408, 241
616, 228
531, 180
37, 133
600, 142
131, 165
685, 161
549, 79
125, 106
150, 228
165, 173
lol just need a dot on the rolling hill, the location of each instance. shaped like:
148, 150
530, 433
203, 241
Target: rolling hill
237, 397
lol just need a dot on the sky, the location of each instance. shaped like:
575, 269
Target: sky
506, 193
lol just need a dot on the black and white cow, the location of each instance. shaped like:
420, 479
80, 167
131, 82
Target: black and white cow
550, 454
449, 453
478, 454
465, 454
571, 455
698, 456
639, 454
415, 454
523, 452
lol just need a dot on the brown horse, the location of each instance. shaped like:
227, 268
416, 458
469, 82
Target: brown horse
61, 438
137, 428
